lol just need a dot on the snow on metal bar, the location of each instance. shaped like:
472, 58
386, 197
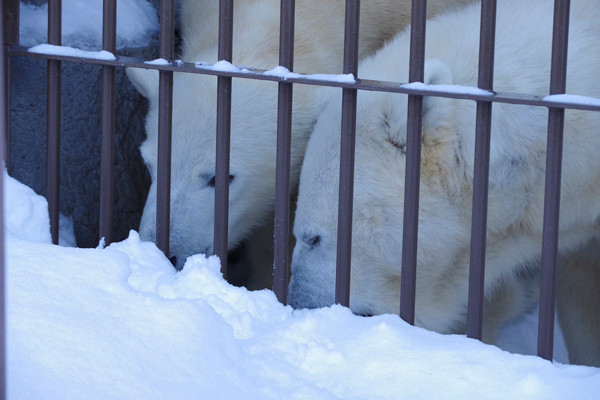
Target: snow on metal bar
51, 49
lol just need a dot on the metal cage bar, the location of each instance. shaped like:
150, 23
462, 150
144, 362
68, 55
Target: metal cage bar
347, 145
53, 119
281, 236
413, 164
10, 15
481, 171
3, 125
558, 85
109, 43
9, 32
361, 84
223, 136
165, 116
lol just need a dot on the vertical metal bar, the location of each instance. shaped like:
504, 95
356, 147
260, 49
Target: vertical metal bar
165, 116
281, 262
558, 83
481, 171
223, 136
53, 119
3, 124
11, 22
413, 164
347, 146
109, 39
10, 15
9, 33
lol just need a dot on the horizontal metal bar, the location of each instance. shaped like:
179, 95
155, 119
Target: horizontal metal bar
360, 84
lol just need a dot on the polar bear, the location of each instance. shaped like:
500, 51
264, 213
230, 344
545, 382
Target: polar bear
516, 187
318, 49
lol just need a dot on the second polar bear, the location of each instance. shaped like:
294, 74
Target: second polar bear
517, 167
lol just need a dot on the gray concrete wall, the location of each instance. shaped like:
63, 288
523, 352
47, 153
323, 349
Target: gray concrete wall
80, 141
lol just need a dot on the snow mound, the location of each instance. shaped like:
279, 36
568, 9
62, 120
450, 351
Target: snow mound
120, 323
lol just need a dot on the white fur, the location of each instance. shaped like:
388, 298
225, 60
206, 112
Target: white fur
318, 49
522, 59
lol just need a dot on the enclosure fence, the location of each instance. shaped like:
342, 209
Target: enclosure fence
284, 124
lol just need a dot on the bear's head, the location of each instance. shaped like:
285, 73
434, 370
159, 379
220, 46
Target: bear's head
378, 199
252, 166
446, 191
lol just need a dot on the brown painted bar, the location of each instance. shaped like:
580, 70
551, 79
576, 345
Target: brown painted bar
361, 84
223, 136
558, 85
109, 43
347, 146
281, 237
413, 164
10, 15
165, 115
53, 119
4, 112
481, 171
9, 31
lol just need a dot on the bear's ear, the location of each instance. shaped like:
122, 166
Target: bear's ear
145, 81
436, 110
436, 73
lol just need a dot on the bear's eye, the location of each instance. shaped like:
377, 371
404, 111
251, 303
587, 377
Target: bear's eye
398, 145
212, 181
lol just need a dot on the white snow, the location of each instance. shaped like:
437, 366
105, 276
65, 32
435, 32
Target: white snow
285, 73
71, 52
457, 89
573, 99
120, 323
82, 23
158, 61
222, 65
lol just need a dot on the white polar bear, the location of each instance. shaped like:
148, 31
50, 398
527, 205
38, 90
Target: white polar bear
318, 49
516, 187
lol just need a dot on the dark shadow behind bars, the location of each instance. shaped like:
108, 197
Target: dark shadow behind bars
284, 124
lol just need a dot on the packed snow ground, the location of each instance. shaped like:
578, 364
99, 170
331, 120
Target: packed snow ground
120, 323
